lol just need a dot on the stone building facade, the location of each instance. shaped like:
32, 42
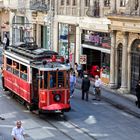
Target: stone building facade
90, 19
24, 18
106, 31
82, 28
125, 50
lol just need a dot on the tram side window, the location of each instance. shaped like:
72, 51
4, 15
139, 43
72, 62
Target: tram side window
9, 65
23, 72
52, 79
45, 79
60, 79
67, 79
41, 80
15, 67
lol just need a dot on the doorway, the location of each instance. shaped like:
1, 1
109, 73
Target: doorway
135, 65
119, 64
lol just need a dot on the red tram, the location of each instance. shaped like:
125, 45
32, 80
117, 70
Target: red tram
38, 77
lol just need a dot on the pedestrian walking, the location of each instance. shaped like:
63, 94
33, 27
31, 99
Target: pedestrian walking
72, 83
137, 89
18, 131
97, 86
5, 42
79, 70
85, 87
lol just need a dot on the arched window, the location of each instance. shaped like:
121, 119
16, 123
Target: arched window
68, 2
62, 2
87, 3
122, 3
74, 2
136, 4
106, 3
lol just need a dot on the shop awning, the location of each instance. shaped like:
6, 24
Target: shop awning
104, 50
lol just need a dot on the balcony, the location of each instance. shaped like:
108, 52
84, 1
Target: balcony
93, 11
9, 5
130, 10
37, 5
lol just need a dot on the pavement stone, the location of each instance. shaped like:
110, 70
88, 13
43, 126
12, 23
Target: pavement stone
123, 101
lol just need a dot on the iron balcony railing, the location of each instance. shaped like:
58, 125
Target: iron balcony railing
38, 5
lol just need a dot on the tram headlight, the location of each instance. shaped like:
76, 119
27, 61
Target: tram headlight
57, 97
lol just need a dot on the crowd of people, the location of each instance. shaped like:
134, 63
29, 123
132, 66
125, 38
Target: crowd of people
77, 72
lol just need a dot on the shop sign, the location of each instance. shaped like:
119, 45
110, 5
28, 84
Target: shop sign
98, 40
83, 59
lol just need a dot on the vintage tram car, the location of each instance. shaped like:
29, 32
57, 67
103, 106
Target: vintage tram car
38, 77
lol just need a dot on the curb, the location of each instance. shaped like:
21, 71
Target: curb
115, 103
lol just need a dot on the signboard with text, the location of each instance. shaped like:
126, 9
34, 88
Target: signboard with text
83, 59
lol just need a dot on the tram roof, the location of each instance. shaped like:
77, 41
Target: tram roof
51, 66
31, 51
34, 56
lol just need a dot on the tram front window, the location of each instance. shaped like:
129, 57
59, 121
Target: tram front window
52, 79
60, 79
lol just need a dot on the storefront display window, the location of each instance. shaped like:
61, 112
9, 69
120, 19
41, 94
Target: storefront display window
63, 40
67, 41
105, 69
98, 52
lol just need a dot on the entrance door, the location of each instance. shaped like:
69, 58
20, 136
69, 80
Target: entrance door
135, 70
35, 84
119, 65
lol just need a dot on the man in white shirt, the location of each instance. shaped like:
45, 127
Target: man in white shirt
97, 85
72, 83
18, 132
5, 42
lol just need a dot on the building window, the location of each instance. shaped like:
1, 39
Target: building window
62, 2
136, 4
122, 3
87, 3
68, 2
106, 3
74, 2
43, 1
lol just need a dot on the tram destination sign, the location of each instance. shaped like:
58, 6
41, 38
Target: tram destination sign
83, 59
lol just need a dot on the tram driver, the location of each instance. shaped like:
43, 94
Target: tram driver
51, 81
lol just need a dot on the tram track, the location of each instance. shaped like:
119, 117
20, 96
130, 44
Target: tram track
53, 121
74, 127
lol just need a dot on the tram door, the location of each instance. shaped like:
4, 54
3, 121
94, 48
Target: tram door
35, 88
135, 70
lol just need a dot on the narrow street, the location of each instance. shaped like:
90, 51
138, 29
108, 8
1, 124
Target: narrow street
91, 120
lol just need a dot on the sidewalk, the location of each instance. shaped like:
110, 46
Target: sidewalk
125, 102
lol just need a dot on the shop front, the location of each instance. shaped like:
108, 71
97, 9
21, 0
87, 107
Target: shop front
135, 64
67, 42
96, 45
